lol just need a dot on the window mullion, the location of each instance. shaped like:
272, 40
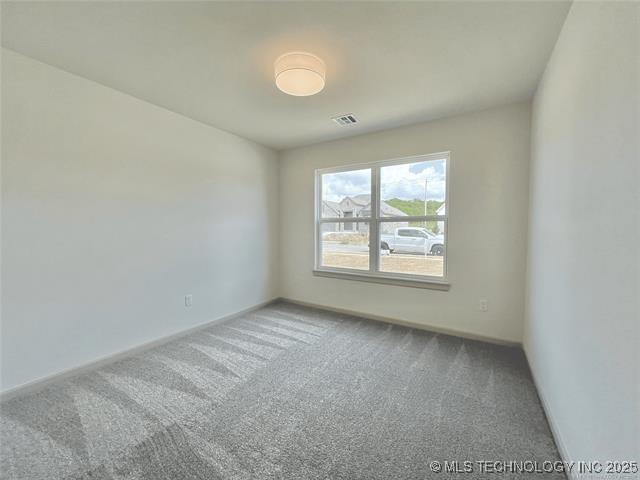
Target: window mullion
374, 243
318, 226
415, 218
344, 219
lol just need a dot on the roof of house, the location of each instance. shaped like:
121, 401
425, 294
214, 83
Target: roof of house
364, 201
335, 206
387, 210
390, 211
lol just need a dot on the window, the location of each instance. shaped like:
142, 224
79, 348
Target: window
384, 220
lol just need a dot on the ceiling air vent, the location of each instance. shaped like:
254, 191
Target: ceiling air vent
347, 119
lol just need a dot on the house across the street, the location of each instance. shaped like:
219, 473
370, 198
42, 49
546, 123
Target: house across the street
352, 208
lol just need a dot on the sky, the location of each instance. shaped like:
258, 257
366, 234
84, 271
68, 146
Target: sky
405, 182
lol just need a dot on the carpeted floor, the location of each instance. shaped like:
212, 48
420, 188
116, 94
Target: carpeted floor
286, 392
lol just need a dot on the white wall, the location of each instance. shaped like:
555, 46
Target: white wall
112, 210
487, 227
582, 334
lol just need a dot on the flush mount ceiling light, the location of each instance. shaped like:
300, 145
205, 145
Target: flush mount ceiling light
299, 73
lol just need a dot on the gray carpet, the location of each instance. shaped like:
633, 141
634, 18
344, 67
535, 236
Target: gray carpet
286, 392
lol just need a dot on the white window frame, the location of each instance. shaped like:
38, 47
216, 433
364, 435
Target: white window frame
373, 274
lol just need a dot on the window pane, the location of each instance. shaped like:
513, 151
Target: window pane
346, 194
415, 189
345, 245
417, 250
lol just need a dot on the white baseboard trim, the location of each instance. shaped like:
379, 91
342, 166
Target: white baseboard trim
404, 323
43, 382
553, 425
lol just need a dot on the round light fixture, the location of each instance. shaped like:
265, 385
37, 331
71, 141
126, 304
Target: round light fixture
299, 73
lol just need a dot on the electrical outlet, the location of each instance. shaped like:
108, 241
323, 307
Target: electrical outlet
188, 300
484, 305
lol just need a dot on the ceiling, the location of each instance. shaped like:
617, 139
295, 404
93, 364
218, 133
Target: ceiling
389, 63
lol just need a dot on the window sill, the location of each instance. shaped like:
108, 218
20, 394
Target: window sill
384, 279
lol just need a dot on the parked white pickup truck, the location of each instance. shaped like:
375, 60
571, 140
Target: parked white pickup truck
413, 240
